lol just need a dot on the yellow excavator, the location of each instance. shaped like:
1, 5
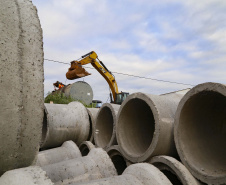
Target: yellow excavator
77, 71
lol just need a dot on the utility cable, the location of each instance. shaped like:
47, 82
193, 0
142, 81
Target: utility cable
136, 76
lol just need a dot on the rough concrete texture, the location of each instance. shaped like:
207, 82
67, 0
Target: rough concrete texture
64, 122
136, 174
174, 170
200, 132
80, 91
85, 147
21, 80
92, 118
33, 175
145, 126
68, 150
118, 160
95, 165
105, 126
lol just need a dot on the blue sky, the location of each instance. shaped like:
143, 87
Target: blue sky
174, 40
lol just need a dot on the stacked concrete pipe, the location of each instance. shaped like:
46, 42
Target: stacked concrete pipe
64, 122
32, 175
105, 126
21, 71
68, 150
92, 112
141, 173
200, 132
174, 170
85, 147
145, 126
95, 165
117, 158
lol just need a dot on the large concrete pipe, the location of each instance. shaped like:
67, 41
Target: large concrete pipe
21, 73
92, 112
105, 126
81, 91
145, 126
64, 122
200, 132
85, 147
136, 174
174, 170
117, 158
33, 175
95, 165
68, 150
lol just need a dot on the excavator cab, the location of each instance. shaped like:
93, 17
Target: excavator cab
76, 71
120, 97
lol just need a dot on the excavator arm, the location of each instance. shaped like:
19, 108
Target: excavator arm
76, 71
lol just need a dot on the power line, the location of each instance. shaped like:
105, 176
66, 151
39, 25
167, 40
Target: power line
136, 76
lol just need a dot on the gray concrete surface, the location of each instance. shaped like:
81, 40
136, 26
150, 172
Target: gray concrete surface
200, 132
136, 174
21, 80
68, 150
80, 91
105, 126
64, 122
95, 165
85, 147
117, 158
174, 170
92, 118
145, 126
33, 175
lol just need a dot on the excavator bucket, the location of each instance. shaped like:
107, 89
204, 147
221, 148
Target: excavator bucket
76, 71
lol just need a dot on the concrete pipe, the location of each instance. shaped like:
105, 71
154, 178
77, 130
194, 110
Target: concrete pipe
174, 170
105, 126
21, 73
92, 112
95, 165
68, 150
141, 173
33, 175
64, 122
145, 126
85, 147
118, 160
81, 91
200, 132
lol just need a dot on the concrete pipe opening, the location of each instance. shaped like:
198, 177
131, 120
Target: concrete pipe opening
85, 147
44, 128
200, 132
136, 127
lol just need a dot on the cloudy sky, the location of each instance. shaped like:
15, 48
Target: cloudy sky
171, 40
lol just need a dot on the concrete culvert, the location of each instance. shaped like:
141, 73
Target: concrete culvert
92, 118
21, 74
85, 147
200, 132
68, 150
64, 122
105, 126
145, 126
118, 160
174, 170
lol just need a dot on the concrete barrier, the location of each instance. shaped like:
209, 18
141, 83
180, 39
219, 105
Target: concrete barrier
175, 171
105, 126
145, 126
92, 118
68, 150
95, 165
200, 132
21, 74
64, 122
117, 158
85, 147
33, 175
141, 173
